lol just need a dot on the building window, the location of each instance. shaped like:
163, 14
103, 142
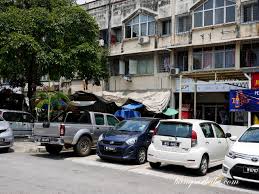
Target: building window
214, 12
166, 27
215, 57
141, 25
116, 35
182, 60
145, 66
114, 67
183, 24
164, 63
250, 55
251, 12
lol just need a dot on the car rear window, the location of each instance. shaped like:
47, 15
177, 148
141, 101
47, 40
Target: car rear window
175, 129
132, 125
78, 117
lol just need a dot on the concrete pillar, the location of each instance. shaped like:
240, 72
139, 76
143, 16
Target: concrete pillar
173, 23
156, 63
237, 55
172, 58
172, 101
190, 59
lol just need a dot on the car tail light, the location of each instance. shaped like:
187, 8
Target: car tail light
153, 135
194, 138
155, 131
62, 130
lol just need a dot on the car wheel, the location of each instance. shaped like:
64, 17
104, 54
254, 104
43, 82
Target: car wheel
4, 150
102, 158
203, 166
53, 149
83, 146
141, 156
155, 165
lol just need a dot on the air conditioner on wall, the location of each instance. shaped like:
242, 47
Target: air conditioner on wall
101, 42
174, 71
143, 40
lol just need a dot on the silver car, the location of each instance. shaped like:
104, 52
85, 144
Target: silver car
6, 136
20, 122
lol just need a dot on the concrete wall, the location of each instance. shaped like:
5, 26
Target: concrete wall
234, 130
249, 30
147, 82
182, 6
214, 34
78, 85
133, 46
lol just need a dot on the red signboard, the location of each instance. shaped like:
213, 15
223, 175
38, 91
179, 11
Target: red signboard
255, 80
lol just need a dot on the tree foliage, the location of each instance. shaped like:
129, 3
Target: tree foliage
38, 37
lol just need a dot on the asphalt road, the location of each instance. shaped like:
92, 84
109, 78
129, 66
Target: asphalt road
39, 173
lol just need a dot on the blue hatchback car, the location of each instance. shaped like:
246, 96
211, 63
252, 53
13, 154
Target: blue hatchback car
128, 141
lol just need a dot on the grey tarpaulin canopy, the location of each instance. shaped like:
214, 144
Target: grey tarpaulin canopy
154, 101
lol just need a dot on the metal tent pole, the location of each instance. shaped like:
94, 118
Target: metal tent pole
195, 100
180, 98
250, 86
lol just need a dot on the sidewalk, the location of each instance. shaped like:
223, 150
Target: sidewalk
26, 145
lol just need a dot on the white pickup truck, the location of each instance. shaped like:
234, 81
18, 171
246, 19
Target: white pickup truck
77, 130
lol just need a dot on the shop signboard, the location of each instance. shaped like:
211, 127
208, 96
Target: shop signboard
255, 80
244, 100
211, 86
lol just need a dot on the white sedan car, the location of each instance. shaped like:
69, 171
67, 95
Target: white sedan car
242, 160
192, 143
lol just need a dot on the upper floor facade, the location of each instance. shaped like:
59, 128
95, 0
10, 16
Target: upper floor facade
150, 37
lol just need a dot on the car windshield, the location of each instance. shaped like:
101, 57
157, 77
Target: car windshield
132, 125
250, 136
175, 129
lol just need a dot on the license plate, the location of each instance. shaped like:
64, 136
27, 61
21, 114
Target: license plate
1, 140
45, 139
111, 149
170, 143
251, 170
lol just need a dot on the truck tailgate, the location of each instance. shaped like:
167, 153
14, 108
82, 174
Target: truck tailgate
51, 131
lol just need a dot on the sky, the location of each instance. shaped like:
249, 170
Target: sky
83, 1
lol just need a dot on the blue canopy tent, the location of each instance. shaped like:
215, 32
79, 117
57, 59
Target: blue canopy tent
126, 114
133, 106
128, 111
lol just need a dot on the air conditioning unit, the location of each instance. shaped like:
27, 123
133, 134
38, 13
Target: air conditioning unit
101, 42
127, 78
143, 40
174, 71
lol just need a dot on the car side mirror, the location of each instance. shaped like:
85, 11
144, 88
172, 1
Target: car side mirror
46, 124
151, 132
228, 135
233, 138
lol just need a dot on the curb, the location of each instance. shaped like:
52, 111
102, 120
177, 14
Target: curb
27, 147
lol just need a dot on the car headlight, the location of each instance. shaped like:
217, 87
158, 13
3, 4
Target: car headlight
100, 138
231, 154
132, 141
